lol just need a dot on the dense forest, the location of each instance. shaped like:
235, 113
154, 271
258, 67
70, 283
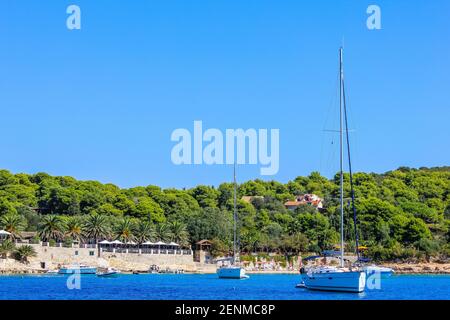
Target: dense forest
402, 214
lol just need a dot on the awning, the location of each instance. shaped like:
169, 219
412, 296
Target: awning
173, 244
3, 232
104, 242
117, 242
160, 243
148, 243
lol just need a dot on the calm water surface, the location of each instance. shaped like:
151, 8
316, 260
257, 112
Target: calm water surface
172, 287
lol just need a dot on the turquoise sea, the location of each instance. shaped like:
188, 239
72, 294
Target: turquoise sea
209, 287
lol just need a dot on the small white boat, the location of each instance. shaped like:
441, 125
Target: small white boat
334, 279
107, 272
52, 271
373, 269
231, 272
82, 269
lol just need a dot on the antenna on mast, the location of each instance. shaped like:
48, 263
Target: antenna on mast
235, 255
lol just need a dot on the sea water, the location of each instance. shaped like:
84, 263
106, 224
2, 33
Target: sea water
208, 286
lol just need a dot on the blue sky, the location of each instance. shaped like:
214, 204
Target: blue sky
101, 103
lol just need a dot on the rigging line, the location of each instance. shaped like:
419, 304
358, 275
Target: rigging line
352, 192
352, 119
355, 138
324, 160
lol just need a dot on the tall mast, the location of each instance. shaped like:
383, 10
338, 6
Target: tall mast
235, 257
341, 151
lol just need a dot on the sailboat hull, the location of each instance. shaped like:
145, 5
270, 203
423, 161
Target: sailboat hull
382, 271
336, 281
231, 273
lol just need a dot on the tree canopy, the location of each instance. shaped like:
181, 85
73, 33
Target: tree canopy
401, 212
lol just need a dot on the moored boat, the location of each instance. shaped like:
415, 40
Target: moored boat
107, 272
52, 272
340, 278
335, 279
233, 270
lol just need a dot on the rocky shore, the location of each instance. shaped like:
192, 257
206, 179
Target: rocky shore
14, 267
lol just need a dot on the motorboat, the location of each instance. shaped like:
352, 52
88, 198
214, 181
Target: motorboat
107, 272
50, 272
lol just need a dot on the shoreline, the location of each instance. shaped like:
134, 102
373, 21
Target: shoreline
418, 268
23, 273
399, 269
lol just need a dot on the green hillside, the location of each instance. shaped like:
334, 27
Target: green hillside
402, 214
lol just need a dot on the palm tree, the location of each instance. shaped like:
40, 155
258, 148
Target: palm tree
51, 227
24, 252
163, 232
74, 229
179, 233
124, 230
13, 223
96, 227
145, 232
6, 247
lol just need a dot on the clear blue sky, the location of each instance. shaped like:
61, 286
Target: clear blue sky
101, 103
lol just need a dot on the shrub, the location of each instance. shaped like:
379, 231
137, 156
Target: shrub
6, 247
428, 247
24, 252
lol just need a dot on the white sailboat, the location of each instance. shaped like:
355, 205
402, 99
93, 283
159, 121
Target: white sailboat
340, 278
233, 270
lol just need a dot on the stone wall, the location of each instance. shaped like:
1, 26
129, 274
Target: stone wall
51, 257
